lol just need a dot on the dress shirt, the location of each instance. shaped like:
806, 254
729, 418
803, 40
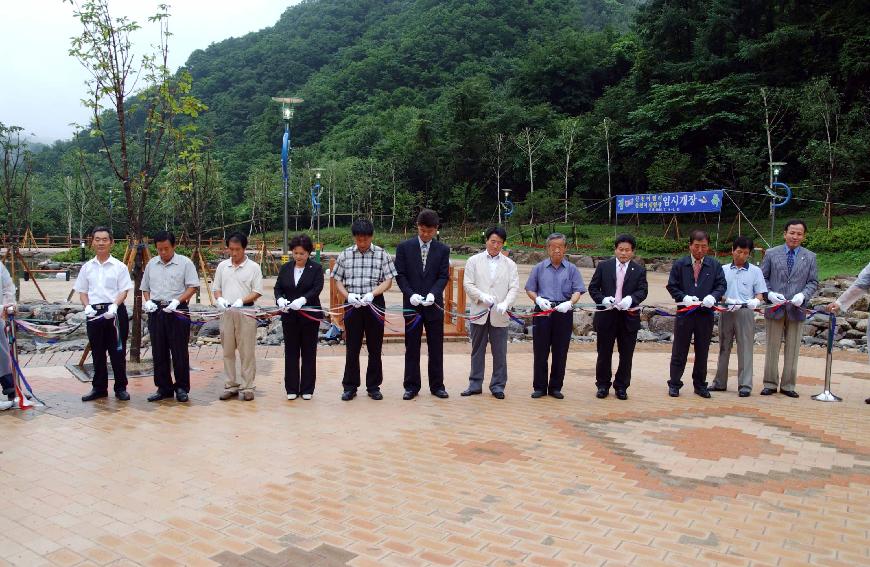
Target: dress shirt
103, 281
745, 282
493, 264
237, 282
166, 281
7, 287
361, 272
555, 283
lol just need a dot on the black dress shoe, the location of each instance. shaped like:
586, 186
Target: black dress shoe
768, 391
744, 393
122, 395
718, 389
867, 401
181, 395
538, 394
622, 394
94, 395
789, 393
703, 392
348, 395
470, 392
376, 395
409, 395
442, 393
157, 396
673, 391
602, 393
498, 395
557, 394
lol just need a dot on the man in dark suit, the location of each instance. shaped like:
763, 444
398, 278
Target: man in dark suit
618, 284
695, 280
422, 266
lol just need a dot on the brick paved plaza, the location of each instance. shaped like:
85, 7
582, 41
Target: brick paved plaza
465, 481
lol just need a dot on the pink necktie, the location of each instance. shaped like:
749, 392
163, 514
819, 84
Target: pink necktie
620, 278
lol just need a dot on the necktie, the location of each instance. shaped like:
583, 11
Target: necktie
620, 279
789, 259
696, 267
424, 251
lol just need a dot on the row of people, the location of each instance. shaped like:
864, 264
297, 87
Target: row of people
363, 273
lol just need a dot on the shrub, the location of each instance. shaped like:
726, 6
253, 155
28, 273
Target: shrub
660, 245
852, 236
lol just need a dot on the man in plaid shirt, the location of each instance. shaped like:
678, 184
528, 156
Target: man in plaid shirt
362, 274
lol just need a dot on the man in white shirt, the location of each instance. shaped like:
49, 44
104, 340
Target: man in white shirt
7, 297
238, 282
102, 284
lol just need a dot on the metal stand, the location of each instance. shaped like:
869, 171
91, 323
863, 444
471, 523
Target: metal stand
827, 395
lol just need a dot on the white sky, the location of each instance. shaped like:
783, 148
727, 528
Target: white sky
42, 86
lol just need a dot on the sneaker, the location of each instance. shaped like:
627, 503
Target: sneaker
6, 404
291, 396
306, 396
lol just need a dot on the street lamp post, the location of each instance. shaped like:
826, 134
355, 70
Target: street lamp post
315, 209
286, 162
775, 169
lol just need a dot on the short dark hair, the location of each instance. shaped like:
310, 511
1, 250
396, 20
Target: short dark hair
362, 227
238, 237
163, 236
302, 240
743, 242
105, 229
428, 217
790, 222
699, 234
496, 230
625, 238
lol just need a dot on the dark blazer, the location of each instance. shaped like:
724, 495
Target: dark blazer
413, 279
603, 285
310, 285
711, 281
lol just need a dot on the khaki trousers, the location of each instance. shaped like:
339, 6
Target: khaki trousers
793, 333
738, 324
239, 333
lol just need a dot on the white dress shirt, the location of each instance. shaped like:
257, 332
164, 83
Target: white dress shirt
103, 281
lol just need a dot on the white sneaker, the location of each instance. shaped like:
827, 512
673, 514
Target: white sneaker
291, 396
306, 396
6, 404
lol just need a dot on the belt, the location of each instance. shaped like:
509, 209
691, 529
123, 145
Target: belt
166, 303
99, 306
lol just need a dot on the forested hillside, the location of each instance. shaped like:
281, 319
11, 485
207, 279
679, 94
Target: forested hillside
417, 102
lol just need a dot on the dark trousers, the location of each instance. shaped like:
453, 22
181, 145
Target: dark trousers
170, 335
435, 344
358, 323
8, 385
551, 334
103, 335
699, 325
616, 331
300, 341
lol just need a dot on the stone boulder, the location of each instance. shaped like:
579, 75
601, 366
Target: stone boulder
582, 323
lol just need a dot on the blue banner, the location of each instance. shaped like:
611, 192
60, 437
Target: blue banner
690, 202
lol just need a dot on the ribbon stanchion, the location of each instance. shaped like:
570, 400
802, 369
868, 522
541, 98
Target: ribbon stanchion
827, 395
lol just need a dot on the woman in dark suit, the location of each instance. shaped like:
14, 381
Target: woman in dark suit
299, 284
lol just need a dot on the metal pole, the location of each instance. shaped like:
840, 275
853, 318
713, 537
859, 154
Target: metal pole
286, 195
827, 395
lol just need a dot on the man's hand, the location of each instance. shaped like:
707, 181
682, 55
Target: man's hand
222, 304
90, 311
624, 304
734, 307
565, 307
608, 302
430, 300
543, 303
833, 307
238, 304
416, 299
502, 307
776, 298
367, 298
691, 300
797, 300
487, 298
709, 301
753, 303
297, 304
354, 299
149, 306
111, 311
173, 305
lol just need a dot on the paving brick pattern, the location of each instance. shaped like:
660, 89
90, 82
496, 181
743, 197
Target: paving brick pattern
465, 481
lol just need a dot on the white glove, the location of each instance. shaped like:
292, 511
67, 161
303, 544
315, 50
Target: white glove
502, 307
776, 298
608, 302
543, 303
430, 300
238, 304
564, 307
354, 299
297, 304
90, 311
624, 304
149, 306
797, 300
416, 299
282, 304
10, 308
111, 311
709, 301
367, 298
173, 305
691, 300
753, 303
222, 304
487, 298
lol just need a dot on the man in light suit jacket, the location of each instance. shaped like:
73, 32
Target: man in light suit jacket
618, 284
422, 266
792, 277
491, 285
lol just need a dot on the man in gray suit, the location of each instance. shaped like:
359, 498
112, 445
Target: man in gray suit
792, 279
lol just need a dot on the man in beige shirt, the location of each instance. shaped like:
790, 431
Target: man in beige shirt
238, 282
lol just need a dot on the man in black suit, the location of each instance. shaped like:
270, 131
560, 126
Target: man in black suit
694, 277
423, 265
618, 284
